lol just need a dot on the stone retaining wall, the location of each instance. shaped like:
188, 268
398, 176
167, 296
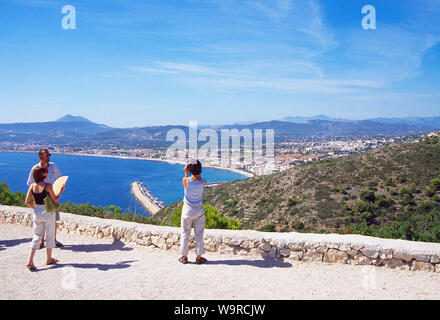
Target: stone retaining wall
331, 248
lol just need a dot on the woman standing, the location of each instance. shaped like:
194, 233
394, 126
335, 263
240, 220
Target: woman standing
43, 221
192, 212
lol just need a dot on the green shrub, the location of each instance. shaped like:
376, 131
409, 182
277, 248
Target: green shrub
231, 203
368, 195
435, 184
388, 182
361, 206
408, 199
270, 227
298, 225
403, 191
429, 192
291, 202
7, 197
412, 188
214, 219
384, 202
402, 179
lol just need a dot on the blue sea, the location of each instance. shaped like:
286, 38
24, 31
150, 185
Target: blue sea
104, 181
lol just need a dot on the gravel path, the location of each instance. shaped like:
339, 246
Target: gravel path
99, 269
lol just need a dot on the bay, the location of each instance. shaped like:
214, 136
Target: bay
104, 181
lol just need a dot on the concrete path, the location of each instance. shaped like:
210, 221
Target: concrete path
99, 269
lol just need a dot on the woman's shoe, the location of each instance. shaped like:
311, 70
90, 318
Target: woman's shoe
201, 260
31, 267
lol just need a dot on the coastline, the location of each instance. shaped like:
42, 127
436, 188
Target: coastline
242, 172
146, 203
135, 191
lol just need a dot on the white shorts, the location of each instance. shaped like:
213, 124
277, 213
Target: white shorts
43, 222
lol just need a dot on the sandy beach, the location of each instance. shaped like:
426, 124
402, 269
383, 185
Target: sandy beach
242, 172
102, 269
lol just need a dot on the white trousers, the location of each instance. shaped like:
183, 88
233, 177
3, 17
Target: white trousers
43, 222
199, 228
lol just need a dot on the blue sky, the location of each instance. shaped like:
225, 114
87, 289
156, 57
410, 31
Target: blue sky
136, 63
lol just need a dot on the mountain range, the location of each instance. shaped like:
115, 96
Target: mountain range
79, 131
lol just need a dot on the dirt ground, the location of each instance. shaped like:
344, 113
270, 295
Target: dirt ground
101, 269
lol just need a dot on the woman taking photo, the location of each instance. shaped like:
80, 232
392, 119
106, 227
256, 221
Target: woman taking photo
192, 212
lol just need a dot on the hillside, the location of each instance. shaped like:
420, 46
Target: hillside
398, 182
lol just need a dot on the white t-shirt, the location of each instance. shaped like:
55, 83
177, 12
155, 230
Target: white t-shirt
53, 173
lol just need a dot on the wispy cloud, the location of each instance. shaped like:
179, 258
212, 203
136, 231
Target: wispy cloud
391, 53
242, 77
315, 27
276, 10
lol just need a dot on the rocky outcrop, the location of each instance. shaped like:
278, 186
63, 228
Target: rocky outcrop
328, 248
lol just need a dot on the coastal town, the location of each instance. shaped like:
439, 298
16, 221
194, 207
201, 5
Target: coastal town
287, 154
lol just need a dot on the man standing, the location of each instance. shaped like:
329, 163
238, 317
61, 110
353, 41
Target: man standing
53, 174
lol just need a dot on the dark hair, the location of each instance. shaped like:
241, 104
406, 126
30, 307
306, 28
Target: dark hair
39, 174
40, 153
195, 168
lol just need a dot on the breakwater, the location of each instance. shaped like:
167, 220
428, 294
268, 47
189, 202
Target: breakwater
145, 198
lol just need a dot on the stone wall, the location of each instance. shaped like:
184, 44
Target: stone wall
330, 248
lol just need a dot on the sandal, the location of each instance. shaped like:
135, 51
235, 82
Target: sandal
31, 267
184, 260
201, 260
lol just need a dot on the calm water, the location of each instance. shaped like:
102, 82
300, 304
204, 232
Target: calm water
106, 181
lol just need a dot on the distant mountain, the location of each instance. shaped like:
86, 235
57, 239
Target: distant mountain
425, 122
79, 131
432, 123
68, 128
70, 118
297, 119
325, 128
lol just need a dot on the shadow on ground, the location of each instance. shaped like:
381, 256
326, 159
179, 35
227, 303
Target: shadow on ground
99, 266
12, 243
264, 263
96, 247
